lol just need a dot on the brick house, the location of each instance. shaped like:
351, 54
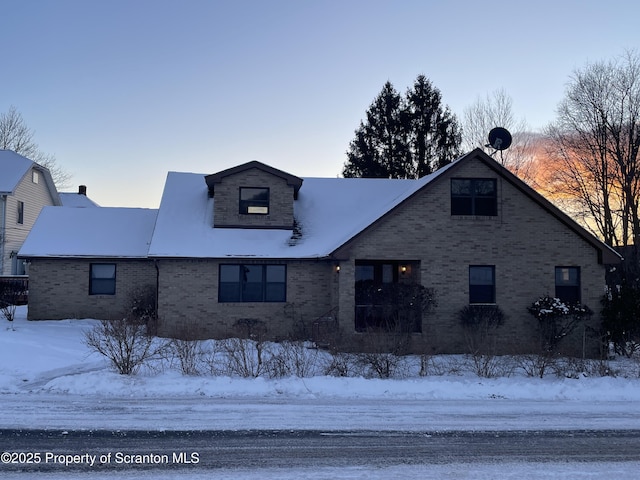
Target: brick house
254, 242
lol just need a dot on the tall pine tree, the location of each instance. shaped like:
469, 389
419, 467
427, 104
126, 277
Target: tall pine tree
434, 133
404, 137
379, 149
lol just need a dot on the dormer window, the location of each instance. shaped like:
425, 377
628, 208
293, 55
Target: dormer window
254, 201
35, 176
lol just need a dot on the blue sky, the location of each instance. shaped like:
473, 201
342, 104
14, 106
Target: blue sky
121, 92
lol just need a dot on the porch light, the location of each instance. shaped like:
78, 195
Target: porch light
403, 269
337, 268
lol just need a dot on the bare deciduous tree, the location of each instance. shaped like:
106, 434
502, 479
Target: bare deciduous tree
17, 136
496, 110
596, 141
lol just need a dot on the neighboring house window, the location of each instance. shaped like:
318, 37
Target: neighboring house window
254, 201
474, 196
20, 212
102, 279
482, 284
252, 283
568, 284
35, 176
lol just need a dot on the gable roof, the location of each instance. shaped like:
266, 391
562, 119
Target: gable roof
292, 180
606, 254
14, 167
330, 213
71, 199
90, 232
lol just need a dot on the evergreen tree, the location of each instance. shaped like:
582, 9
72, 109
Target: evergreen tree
379, 149
404, 137
434, 134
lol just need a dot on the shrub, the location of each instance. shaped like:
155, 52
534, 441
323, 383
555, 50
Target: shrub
124, 342
292, 358
556, 320
621, 318
127, 342
189, 354
245, 355
480, 323
10, 293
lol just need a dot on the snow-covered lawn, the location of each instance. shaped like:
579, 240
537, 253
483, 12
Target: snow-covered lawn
50, 379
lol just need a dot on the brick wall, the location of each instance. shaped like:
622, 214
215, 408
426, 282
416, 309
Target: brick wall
189, 308
523, 241
59, 288
227, 195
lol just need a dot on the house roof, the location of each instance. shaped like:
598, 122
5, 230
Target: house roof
14, 167
71, 199
292, 180
329, 213
90, 232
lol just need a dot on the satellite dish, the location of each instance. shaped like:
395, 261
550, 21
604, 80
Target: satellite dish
499, 138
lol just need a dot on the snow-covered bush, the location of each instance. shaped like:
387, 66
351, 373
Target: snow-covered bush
556, 320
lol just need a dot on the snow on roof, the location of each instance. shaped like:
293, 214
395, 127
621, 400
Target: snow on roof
71, 199
13, 168
90, 232
329, 212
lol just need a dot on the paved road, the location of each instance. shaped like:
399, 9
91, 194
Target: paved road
103, 450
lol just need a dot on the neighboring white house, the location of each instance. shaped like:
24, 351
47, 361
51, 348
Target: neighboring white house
25, 187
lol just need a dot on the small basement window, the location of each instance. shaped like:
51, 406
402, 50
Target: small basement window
254, 201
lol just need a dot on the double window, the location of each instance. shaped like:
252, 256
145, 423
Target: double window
252, 283
474, 196
482, 284
254, 201
102, 279
568, 284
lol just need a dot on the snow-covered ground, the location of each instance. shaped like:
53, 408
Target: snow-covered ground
50, 379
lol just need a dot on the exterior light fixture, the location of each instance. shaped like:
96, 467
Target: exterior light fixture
337, 268
403, 269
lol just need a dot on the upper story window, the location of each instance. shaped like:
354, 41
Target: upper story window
35, 176
474, 196
20, 212
568, 284
254, 201
482, 284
